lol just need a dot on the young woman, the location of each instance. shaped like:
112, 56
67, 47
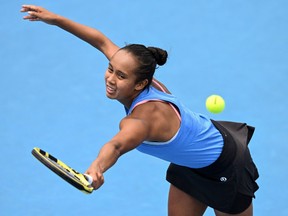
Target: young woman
210, 161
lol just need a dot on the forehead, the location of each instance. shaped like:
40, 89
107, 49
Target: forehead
124, 61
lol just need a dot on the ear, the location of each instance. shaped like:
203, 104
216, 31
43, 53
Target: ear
141, 85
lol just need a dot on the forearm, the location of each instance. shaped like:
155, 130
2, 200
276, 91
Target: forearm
106, 158
88, 34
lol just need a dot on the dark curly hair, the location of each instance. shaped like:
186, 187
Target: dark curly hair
148, 59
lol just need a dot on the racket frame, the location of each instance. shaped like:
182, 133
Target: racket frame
78, 180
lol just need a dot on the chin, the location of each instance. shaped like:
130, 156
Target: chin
110, 97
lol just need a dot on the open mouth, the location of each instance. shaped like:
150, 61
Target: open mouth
110, 89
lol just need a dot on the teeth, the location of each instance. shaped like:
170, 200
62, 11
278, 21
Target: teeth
110, 89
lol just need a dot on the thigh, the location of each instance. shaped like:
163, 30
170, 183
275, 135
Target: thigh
182, 204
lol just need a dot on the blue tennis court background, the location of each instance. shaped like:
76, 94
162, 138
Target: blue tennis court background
52, 96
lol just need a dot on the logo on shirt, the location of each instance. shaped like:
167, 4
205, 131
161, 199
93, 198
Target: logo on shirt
223, 179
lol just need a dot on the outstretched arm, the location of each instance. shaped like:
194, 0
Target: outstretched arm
132, 132
88, 34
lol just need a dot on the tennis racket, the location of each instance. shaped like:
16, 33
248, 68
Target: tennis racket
80, 181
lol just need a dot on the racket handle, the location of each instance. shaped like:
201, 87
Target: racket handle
88, 178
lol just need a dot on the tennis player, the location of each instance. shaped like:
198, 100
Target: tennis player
210, 161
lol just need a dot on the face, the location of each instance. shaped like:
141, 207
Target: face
120, 78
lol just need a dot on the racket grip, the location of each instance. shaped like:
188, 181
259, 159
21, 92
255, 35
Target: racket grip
88, 178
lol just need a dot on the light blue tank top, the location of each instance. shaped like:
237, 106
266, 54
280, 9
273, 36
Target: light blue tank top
196, 144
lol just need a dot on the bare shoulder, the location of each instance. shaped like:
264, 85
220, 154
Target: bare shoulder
146, 110
145, 115
159, 119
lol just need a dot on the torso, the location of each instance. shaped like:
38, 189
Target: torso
189, 139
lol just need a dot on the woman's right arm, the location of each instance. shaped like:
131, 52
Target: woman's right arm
88, 34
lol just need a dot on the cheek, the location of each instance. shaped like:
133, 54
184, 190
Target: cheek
105, 75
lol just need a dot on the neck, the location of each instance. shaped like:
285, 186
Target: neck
127, 102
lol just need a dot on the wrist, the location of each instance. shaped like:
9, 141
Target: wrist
58, 20
98, 167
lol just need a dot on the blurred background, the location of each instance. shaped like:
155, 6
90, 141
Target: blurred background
52, 96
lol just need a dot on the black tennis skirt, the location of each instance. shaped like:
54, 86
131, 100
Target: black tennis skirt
228, 185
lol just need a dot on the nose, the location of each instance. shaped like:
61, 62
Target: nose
110, 77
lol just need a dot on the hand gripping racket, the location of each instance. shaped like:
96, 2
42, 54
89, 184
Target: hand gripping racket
80, 181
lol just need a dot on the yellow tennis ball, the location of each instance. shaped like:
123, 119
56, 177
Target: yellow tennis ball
215, 104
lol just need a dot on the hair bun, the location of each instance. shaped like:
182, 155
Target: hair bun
159, 54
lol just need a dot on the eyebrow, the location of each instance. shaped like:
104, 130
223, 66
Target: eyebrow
110, 65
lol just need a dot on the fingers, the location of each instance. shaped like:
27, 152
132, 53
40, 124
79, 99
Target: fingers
30, 9
98, 180
36, 13
26, 8
31, 17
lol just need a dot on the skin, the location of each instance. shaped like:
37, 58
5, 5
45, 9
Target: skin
152, 121
140, 125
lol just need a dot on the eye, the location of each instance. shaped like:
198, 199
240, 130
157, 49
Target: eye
110, 69
121, 75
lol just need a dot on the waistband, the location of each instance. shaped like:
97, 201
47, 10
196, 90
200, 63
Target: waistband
227, 155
